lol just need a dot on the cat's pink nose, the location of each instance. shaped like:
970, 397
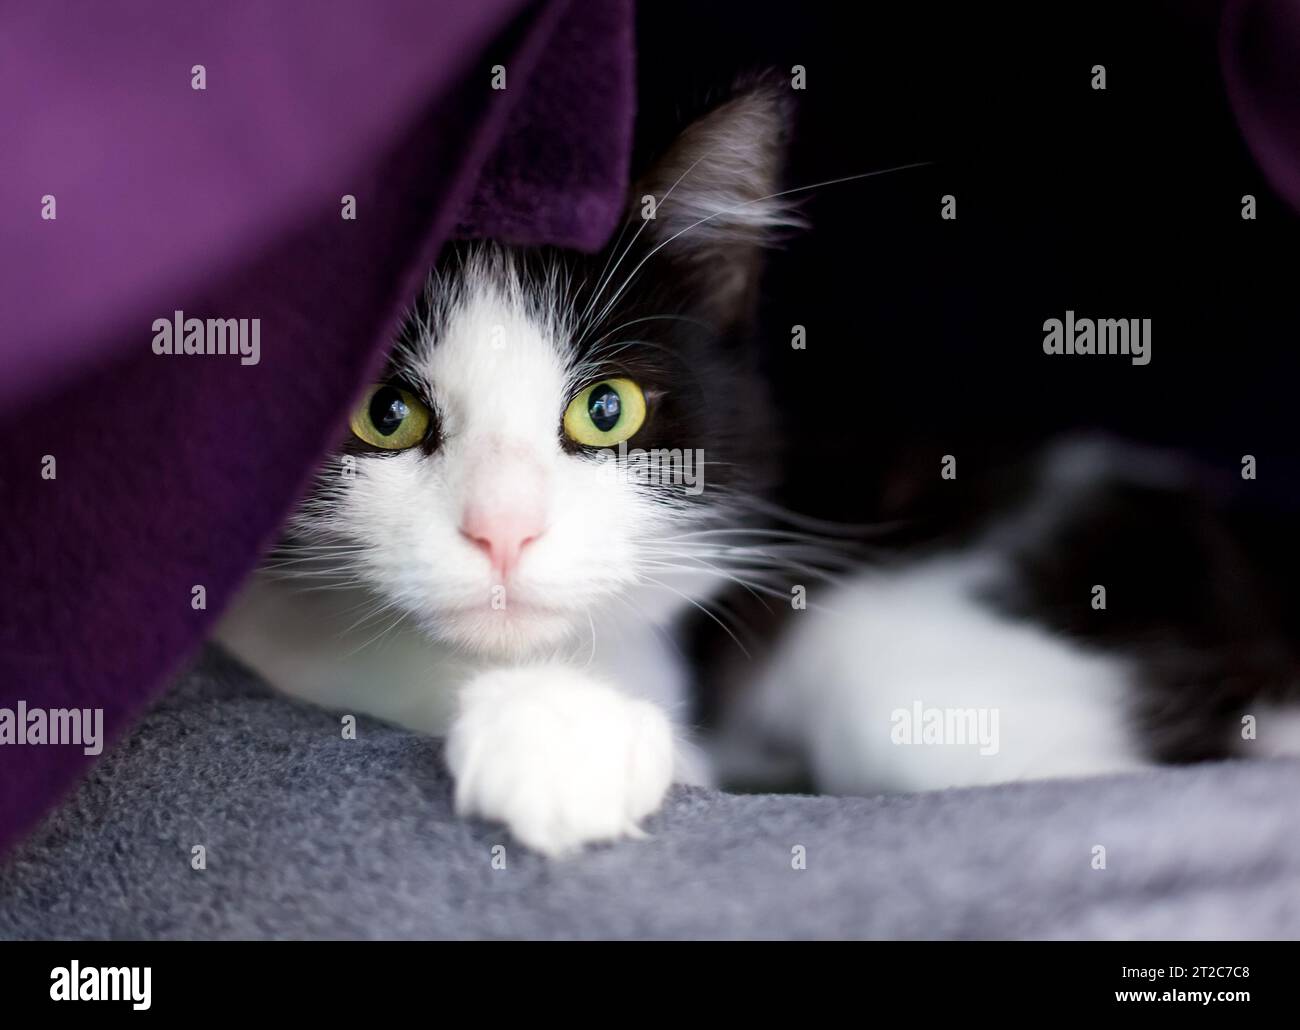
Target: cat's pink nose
502, 535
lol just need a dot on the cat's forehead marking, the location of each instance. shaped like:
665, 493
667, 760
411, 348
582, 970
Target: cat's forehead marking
500, 363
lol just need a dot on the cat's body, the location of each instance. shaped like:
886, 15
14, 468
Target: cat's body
478, 561
1096, 607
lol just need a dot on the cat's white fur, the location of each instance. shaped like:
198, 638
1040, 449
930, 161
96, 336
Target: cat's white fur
1277, 733
559, 703
925, 633
875, 647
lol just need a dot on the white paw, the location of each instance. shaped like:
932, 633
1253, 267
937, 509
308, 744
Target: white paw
559, 758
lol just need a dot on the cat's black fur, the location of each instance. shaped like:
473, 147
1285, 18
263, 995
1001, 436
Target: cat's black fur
1191, 598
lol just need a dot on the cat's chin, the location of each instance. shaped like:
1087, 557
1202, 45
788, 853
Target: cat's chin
513, 633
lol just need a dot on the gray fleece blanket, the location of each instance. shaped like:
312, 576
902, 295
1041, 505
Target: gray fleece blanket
307, 835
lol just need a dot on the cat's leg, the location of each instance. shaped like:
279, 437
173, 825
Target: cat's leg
559, 756
907, 680
644, 658
566, 753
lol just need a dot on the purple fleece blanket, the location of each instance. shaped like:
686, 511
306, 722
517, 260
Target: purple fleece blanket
139, 488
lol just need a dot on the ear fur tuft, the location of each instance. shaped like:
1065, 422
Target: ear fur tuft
714, 203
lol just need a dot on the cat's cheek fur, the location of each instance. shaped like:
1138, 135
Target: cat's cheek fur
559, 757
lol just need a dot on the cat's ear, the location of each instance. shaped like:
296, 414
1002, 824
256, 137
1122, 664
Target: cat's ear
710, 200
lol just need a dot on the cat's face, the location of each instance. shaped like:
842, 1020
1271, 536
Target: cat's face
555, 431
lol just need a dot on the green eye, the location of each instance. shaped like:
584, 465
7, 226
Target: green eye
391, 418
605, 414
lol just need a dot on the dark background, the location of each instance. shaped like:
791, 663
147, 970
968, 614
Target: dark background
925, 336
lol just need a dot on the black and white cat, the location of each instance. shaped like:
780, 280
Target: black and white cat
482, 568
1097, 607
480, 561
